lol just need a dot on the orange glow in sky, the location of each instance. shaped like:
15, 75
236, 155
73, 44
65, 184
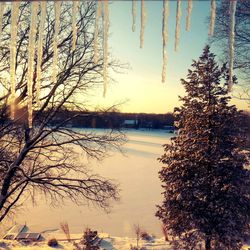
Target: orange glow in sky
141, 85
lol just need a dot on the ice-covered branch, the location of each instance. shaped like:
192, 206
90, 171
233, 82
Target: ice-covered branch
40, 50
13, 40
231, 42
105, 44
178, 25
164, 36
212, 18
143, 23
189, 11
74, 26
133, 14
31, 55
2, 5
57, 5
97, 17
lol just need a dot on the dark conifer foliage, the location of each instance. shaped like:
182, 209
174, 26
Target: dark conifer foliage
205, 176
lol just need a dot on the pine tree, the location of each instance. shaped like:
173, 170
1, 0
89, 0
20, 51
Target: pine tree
205, 180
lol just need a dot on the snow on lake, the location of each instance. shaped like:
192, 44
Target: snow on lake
137, 173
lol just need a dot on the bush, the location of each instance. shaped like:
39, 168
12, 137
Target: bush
3, 244
53, 242
137, 248
145, 236
89, 241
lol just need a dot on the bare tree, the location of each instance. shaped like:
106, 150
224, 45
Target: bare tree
138, 231
49, 159
242, 41
65, 228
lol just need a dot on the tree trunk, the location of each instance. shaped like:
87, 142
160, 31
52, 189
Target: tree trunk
208, 243
6, 182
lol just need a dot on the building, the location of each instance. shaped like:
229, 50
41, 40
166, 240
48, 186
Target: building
131, 123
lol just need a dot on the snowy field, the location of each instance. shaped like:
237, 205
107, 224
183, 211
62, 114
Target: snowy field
137, 173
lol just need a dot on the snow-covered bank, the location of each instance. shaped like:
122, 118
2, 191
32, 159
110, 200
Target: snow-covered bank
108, 243
104, 241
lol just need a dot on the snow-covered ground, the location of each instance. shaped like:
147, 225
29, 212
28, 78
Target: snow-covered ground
108, 243
137, 174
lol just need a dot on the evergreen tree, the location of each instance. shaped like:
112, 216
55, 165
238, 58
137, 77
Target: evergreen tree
205, 180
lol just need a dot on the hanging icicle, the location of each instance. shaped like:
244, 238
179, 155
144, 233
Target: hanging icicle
57, 6
13, 39
102, 9
105, 44
40, 50
212, 17
189, 11
2, 5
164, 37
97, 17
143, 22
133, 14
74, 25
31, 55
231, 42
178, 24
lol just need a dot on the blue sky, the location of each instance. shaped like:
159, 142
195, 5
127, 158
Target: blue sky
141, 85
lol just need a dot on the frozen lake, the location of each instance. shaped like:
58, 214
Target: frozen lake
137, 174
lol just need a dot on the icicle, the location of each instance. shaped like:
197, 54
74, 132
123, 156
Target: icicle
97, 17
105, 45
164, 37
143, 22
212, 17
57, 5
31, 55
2, 5
231, 42
40, 50
189, 11
13, 40
133, 14
74, 25
178, 24
165, 22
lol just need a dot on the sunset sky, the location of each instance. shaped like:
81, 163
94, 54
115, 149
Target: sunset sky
141, 85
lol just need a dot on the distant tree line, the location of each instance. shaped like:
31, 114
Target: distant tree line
117, 120
114, 120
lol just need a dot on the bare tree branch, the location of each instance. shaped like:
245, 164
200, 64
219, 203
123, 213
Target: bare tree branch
48, 158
